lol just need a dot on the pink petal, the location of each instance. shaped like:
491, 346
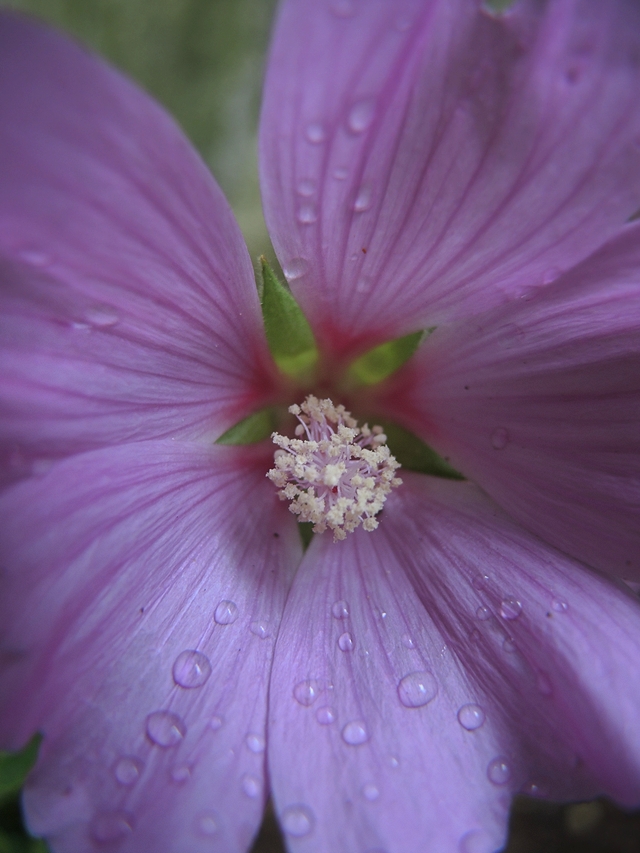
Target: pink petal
120, 564
127, 294
539, 402
422, 160
360, 760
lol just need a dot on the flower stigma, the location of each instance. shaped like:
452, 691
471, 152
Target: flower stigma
338, 475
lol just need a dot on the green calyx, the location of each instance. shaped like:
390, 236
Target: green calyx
256, 427
289, 335
381, 361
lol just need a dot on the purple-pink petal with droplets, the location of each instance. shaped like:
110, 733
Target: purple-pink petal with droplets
133, 579
425, 160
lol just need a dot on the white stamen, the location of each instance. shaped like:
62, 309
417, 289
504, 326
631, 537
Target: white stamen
340, 475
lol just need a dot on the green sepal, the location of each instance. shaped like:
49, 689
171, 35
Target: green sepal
305, 528
413, 454
498, 7
383, 360
256, 427
289, 335
14, 767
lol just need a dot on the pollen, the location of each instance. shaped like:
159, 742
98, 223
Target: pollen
336, 474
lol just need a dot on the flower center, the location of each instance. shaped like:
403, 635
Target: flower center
339, 475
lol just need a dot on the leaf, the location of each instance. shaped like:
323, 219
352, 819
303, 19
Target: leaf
256, 427
289, 335
14, 767
383, 360
413, 454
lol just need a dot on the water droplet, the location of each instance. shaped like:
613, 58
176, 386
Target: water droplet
345, 642
215, 723
111, 827
341, 174
165, 728
355, 733
181, 774
510, 608
551, 275
297, 820
559, 605
35, 257
127, 770
475, 636
295, 269
340, 610
477, 841
417, 689
325, 715
307, 213
41, 467
343, 8
543, 683
471, 717
191, 669
363, 199
260, 629
316, 133
207, 824
483, 613
226, 613
251, 785
102, 316
407, 641
364, 285
499, 438
306, 692
479, 581
393, 761
498, 771
256, 743
370, 792
509, 645
361, 115
306, 187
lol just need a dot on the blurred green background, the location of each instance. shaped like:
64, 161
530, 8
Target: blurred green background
203, 59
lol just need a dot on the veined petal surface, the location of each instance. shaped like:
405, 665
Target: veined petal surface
539, 402
425, 160
427, 672
141, 595
128, 302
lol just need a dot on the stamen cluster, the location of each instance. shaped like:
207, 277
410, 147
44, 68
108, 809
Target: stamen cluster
339, 475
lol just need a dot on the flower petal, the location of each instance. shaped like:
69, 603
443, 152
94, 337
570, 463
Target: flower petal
413, 735
422, 160
539, 402
142, 592
126, 289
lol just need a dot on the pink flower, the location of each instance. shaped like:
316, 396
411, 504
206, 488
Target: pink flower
423, 164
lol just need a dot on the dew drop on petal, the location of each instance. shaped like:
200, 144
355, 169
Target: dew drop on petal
306, 692
207, 824
340, 609
417, 689
315, 132
35, 257
297, 820
355, 733
345, 642
307, 213
471, 717
102, 316
341, 174
165, 728
191, 669
260, 629
343, 8
363, 199
251, 785
215, 723
361, 115
510, 608
483, 613
499, 438
407, 641
256, 743
550, 275
509, 645
370, 792
181, 774
498, 771
325, 715
127, 770
111, 827
543, 683
306, 187
226, 613
295, 269
559, 605
476, 841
